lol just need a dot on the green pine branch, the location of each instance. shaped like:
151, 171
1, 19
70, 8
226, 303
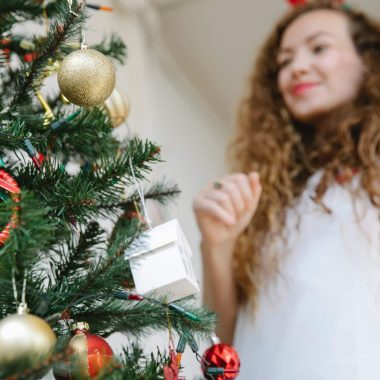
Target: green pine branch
135, 365
75, 268
65, 25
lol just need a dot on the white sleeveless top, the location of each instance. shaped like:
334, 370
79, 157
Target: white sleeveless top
321, 319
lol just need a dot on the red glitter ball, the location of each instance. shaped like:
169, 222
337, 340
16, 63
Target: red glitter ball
223, 356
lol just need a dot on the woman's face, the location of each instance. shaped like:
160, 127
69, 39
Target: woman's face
319, 67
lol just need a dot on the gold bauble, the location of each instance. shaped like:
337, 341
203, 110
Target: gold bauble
25, 338
118, 107
86, 77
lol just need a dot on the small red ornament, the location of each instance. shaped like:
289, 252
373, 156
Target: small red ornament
30, 57
90, 355
220, 362
9, 184
40, 157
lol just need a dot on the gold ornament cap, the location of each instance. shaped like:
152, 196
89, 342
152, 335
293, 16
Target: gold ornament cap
82, 326
22, 308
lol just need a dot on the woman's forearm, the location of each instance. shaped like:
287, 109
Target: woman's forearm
219, 293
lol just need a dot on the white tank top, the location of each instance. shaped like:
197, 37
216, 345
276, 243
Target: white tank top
321, 319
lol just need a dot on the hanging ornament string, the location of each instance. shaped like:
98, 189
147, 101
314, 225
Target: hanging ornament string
82, 39
20, 305
171, 370
141, 196
170, 330
46, 18
15, 295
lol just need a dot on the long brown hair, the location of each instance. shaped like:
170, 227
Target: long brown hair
286, 153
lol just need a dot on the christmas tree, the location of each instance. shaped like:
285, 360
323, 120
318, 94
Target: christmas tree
62, 173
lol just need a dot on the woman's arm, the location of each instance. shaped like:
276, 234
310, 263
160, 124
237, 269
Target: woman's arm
219, 290
223, 210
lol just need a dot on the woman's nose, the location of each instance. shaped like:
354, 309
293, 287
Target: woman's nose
300, 65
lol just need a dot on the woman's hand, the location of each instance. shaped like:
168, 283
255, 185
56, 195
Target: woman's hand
224, 209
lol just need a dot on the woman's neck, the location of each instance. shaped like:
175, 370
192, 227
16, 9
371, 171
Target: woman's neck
328, 124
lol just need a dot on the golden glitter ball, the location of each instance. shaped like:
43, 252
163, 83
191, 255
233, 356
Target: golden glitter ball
25, 338
118, 107
86, 77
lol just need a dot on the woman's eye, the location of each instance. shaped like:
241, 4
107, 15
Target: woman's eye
319, 48
283, 63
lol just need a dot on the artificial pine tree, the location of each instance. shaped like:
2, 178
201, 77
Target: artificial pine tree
55, 256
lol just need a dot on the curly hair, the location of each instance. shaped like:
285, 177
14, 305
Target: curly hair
286, 154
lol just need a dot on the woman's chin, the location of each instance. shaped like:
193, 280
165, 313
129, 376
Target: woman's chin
313, 117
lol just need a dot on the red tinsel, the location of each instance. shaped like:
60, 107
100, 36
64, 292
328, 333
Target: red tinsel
9, 184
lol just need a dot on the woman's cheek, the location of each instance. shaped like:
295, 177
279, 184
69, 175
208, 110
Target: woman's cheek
281, 83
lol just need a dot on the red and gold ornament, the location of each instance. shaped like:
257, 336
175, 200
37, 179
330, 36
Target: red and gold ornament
90, 354
9, 184
220, 362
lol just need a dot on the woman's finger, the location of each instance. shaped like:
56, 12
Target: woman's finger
212, 208
242, 181
235, 194
254, 181
223, 199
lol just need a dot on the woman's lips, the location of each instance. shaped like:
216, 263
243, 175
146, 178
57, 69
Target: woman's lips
299, 89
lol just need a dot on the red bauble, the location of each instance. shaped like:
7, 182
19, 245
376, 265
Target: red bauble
9, 184
221, 356
90, 355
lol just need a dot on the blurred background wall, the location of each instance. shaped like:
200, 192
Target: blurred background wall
188, 62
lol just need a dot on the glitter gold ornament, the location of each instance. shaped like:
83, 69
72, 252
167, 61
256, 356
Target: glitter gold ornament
86, 77
90, 355
25, 338
118, 107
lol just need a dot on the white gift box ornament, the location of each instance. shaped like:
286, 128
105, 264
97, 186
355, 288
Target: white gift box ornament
161, 263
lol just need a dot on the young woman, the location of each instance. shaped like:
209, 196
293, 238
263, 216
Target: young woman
291, 239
